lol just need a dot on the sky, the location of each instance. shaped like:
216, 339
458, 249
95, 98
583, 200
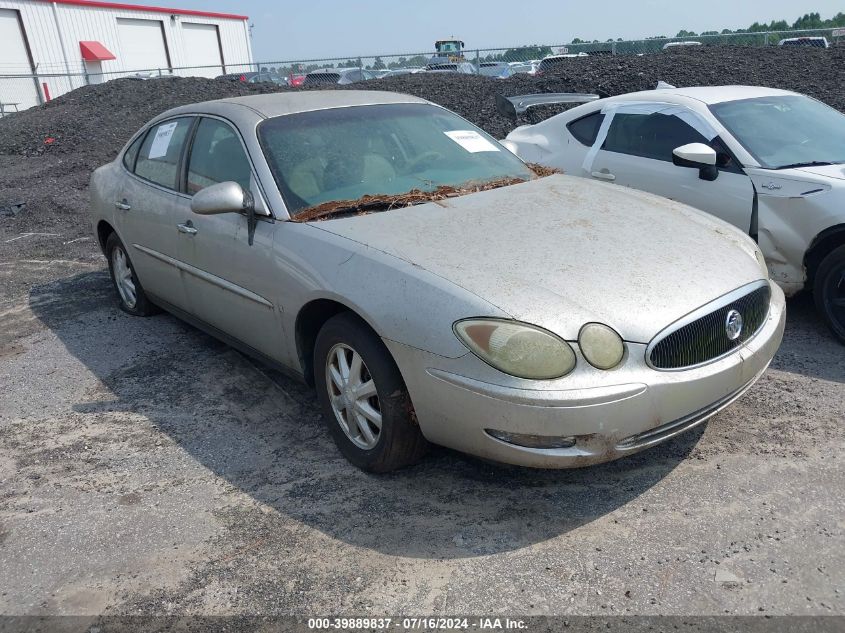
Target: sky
310, 29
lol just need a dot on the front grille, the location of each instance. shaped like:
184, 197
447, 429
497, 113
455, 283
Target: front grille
704, 338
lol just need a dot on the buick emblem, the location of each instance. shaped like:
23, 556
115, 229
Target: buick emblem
733, 325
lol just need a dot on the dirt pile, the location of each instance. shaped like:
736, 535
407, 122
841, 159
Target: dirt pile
95, 121
47, 153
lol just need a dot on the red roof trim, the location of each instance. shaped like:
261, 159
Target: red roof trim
139, 7
95, 52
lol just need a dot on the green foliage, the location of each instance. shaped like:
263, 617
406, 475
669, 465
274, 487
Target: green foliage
809, 21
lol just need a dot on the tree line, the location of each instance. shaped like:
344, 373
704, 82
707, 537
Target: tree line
747, 36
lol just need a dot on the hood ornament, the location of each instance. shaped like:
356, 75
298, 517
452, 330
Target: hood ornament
733, 325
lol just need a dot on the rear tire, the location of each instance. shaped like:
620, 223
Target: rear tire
365, 401
829, 291
133, 300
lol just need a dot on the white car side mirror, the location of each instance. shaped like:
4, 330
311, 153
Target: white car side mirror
699, 156
697, 153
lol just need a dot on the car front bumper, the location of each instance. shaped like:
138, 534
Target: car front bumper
609, 414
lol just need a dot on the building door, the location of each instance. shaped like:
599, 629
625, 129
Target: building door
142, 45
15, 93
202, 48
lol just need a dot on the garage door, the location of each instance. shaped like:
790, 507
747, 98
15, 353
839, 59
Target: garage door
14, 60
142, 45
202, 48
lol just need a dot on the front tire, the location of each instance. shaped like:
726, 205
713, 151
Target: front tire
130, 294
365, 401
829, 291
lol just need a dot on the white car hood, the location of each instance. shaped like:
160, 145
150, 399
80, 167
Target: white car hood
826, 171
562, 251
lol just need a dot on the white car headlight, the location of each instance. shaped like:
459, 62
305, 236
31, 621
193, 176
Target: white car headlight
601, 345
517, 348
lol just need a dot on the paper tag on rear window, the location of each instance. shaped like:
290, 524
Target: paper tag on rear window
471, 141
161, 142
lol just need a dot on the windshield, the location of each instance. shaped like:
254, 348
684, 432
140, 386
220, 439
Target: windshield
785, 131
344, 154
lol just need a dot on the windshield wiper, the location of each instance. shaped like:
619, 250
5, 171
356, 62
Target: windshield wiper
810, 163
384, 202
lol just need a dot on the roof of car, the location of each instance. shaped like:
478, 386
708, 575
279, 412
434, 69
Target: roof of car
708, 94
281, 103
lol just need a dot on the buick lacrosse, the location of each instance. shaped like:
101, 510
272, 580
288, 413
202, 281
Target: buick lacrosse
429, 284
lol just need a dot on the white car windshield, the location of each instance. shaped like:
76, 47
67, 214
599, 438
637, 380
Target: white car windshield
345, 154
785, 131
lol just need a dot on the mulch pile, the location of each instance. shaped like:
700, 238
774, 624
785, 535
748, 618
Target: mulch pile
73, 134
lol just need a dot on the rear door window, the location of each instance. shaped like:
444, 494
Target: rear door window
158, 160
132, 153
586, 129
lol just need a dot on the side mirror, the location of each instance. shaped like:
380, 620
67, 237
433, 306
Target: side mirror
697, 155
224, 197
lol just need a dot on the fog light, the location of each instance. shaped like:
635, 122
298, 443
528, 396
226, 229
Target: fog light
532, 441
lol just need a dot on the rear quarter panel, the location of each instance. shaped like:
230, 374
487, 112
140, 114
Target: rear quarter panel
104, 191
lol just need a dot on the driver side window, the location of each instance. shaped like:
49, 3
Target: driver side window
217, 156
650, 135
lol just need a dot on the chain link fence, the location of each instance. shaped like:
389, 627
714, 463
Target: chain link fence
21, 91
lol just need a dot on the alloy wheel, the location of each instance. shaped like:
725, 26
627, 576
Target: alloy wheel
123, 277
353, 396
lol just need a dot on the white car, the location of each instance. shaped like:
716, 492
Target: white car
670, 45
768, 161
815, 42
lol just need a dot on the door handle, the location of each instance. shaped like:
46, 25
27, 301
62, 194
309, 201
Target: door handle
187, 228
123, 205
603, 175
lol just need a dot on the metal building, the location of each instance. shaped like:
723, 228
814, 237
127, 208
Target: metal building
50, 47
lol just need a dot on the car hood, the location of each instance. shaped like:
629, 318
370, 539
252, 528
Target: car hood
562, 251
826, 171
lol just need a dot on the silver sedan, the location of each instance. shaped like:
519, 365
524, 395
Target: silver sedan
429, 284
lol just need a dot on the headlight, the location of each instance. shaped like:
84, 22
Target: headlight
517, 348
601, 345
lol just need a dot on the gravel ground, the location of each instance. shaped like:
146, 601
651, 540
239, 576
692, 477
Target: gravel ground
147, 468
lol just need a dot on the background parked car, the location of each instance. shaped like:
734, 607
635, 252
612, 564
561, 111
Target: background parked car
497, 70
815, 42
547, 63
464, 68
529, 68
403, 71
257, 77
670, 45
340, 76
770, 162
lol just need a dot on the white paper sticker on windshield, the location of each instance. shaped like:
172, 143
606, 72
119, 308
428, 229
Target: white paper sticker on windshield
162, 139
471, 141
